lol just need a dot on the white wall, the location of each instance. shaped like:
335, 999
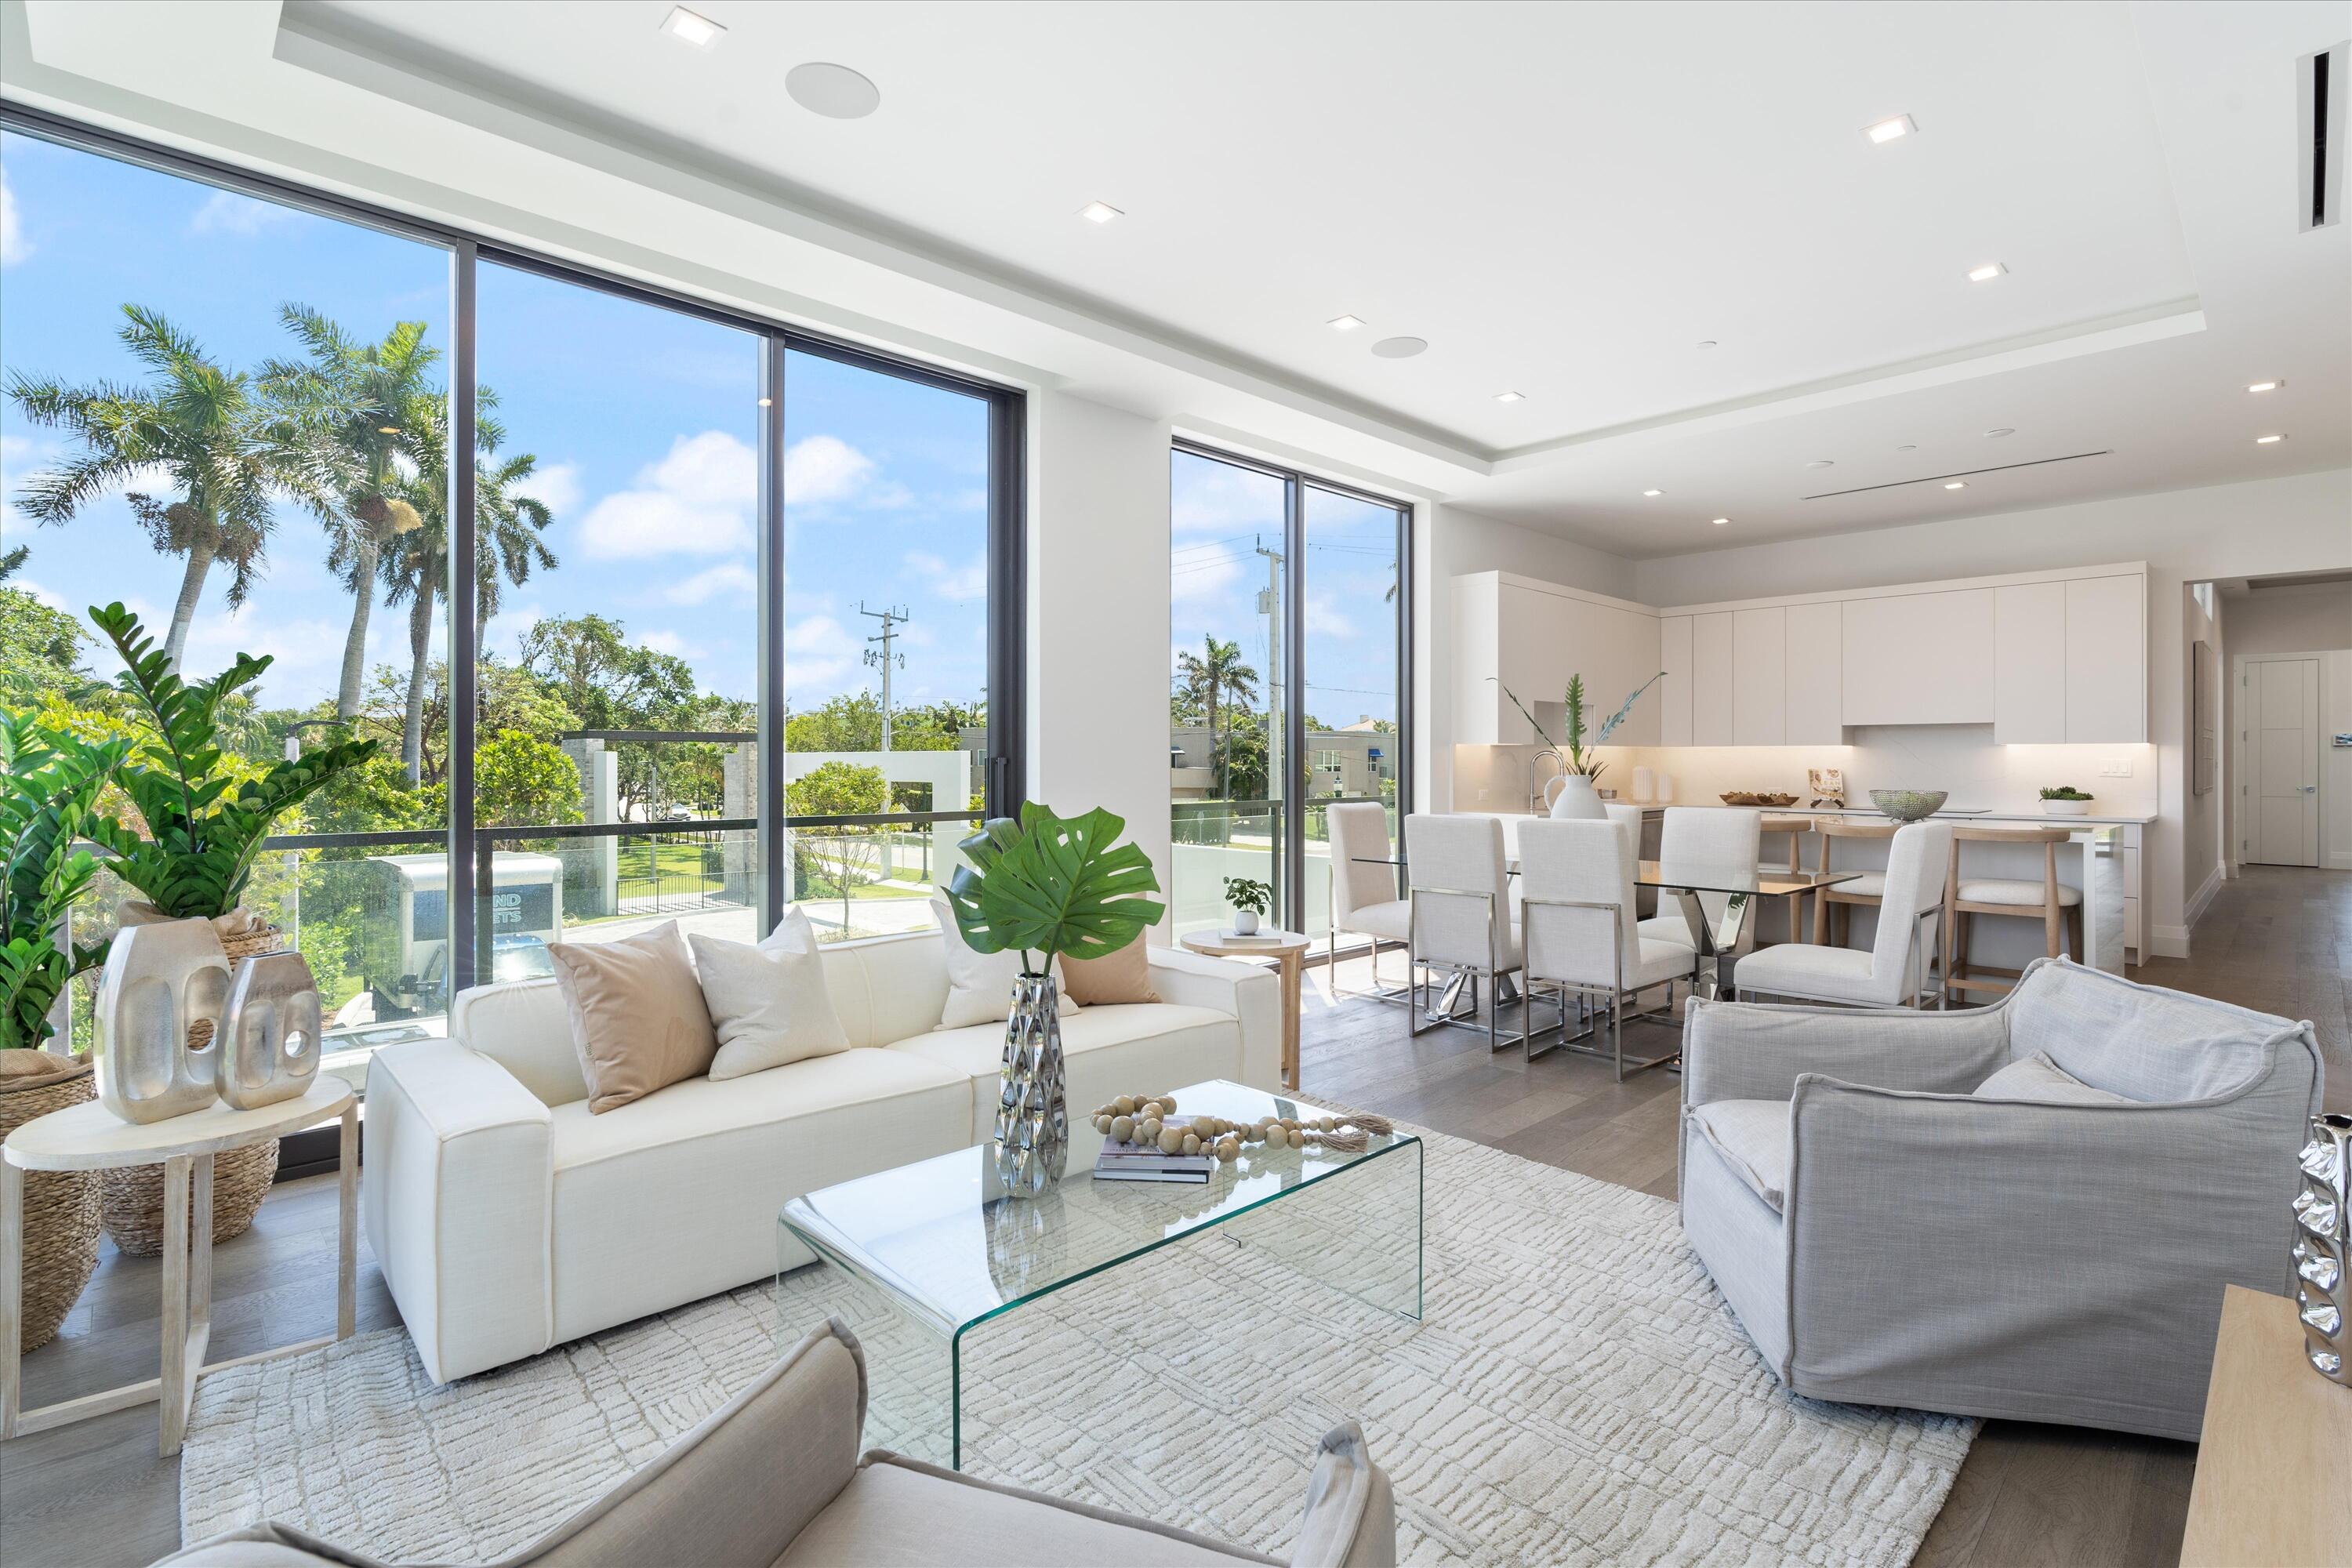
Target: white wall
2299, 523
1098, 617
2201, 855
2298, 620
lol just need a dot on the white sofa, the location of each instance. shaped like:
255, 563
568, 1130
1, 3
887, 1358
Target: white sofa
507, 1219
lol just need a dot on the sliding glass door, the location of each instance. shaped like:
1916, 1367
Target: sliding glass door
1288, 611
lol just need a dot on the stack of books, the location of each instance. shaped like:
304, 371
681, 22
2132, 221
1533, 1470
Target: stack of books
1138, 1163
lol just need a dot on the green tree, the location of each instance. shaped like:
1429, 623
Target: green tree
844, 856
522, 780
354, 402
506, 542
1242, 758
40, 649
201, 428
1217, 671
852, 721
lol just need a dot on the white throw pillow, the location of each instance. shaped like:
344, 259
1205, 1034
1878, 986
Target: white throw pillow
980, 984
768, 1003
2040, 1078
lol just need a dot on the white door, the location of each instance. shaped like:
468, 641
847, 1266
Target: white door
2282, 732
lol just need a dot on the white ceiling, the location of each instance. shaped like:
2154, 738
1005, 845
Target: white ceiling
1562, 199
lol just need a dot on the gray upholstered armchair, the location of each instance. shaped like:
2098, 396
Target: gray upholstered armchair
772, 1479
1893, 1228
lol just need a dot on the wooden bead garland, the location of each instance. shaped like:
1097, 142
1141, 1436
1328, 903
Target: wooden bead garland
1142, 1120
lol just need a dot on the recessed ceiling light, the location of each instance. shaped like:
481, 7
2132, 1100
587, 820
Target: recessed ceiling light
1958, 485
1721, 520
1706, 343
1888, 130
699, 31
2266, 386
1344, 324
2267, 441
1510, 397
1999, 430
1653, 492
834, 91
1099, 212
1987, 273
1822, 463
1398, 348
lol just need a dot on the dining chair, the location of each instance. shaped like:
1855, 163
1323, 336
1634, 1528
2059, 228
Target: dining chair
1582, 931
1794, 830
1364, 890
1862, 891
1715, 835
1894, 970
1459, 917
2059, 909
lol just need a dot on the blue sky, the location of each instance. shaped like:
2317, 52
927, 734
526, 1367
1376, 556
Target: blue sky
643, 421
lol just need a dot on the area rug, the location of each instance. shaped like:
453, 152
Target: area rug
1576, 1393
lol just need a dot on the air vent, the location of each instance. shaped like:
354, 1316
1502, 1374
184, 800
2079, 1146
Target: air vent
2298, 580
2321, 89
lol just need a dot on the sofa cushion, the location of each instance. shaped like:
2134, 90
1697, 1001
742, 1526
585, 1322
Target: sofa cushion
2138, 1040
766, 1003
1108, 1051
638, 1019
980, 984
674, 1197
1123, 974
2037, 1078
522, 1024
893, 1513
1752, 1136
885, 988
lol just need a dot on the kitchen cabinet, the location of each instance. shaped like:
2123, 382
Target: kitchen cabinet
1712, 652
1759, 677
1531, 636
2029, 663
1816, 675
1919, 658
2106, 658
1674, 690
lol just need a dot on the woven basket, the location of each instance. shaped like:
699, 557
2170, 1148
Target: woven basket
131, 1196
61, 1207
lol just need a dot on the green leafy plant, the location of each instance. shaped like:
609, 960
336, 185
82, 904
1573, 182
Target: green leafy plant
1050, 885
53, 782
1244, 894
205, 826
2065, 792
1577, 756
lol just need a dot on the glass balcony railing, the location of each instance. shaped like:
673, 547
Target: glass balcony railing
1212, 840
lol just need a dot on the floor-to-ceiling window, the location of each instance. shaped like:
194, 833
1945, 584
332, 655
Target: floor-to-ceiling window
1288, 613
716, 634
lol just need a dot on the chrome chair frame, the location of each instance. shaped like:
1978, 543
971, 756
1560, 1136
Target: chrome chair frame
1421, 1022
1614, 994
1402, 997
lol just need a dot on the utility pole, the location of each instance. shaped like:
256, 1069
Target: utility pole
883, 658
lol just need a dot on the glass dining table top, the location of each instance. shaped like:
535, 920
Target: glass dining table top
1699, 877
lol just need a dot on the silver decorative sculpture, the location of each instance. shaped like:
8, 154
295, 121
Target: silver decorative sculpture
160, 981
2323, 1247
270, 1032
1032, 1114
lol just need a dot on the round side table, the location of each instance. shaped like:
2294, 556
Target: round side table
1289, 947
91, 1138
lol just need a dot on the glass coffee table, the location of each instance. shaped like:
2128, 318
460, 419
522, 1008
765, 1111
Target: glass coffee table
928, 1253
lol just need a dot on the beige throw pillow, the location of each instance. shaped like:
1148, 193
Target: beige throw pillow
1115, 977
980, 984
638, 1019
767, 1004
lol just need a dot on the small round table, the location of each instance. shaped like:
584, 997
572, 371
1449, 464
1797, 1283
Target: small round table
90, 1137
1288, 946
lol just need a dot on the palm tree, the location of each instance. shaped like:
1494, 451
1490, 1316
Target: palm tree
1217, 670
196, 426
416, 564
352, 399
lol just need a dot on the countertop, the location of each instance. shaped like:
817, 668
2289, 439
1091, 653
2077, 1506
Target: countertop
2030, 814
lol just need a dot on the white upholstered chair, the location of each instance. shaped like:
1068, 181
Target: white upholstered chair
1460, 913
1364, 894
1894, 971
1705, 836
1582, 932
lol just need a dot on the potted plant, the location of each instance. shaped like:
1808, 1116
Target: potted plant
204, 829
53, 782
1251, 901
1577, 797
2065, 800
1043, 886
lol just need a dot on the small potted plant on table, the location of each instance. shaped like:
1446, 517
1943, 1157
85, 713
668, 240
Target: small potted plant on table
1252, 902
2065, 800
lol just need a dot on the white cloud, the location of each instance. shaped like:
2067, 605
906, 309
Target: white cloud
226, 212
670, 643
819, 657
1209, 495
1204, 571
1324, 618
948, 581
558, 487
729, 577
820, 468
14, 247
695, 501
48, 596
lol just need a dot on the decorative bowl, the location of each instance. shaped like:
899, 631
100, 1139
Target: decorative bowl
1751, 797
2066, 808
1909, 805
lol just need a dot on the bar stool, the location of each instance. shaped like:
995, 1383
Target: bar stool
2054, 906
1796, 828
1864, 890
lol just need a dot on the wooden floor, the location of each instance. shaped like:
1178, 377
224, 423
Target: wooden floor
95, 1496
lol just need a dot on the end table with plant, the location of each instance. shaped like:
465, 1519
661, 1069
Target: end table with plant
205, 826
1043, 887
1252, 901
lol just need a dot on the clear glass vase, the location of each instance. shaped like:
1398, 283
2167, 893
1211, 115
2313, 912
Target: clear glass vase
1032, 1113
